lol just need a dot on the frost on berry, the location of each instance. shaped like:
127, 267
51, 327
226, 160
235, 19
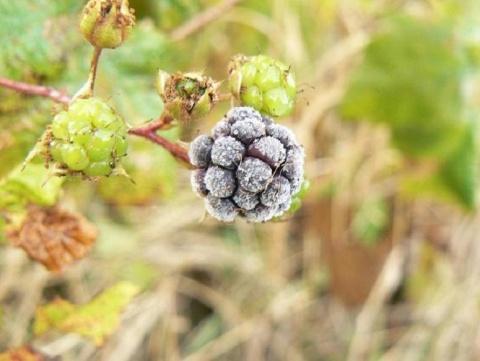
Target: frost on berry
277, 192
253, 174
220, 182
221, 208
227, 152
293, 167
200, 151
197, 179
283, 134
242, 113
268, 149
221, 129
250, 167
260, 213
248, 130
245, 199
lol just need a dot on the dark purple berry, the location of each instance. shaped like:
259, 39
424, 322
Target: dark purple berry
245, 199
268, 149
277, 192
248, 130
227, 152
197, 180
221, 129
200, 151
222, 209
220, 182
253, 174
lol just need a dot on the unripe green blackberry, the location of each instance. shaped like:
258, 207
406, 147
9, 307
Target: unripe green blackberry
87, 139
265, 84
250, 167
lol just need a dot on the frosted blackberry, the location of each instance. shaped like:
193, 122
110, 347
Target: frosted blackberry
268, 149
227, 152
220, 182
221, 129
222, 209
250, 167
200, 151
198, 182
253, 174
248, 130
277, 192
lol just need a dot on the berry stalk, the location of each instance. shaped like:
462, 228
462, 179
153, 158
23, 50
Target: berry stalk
149, 131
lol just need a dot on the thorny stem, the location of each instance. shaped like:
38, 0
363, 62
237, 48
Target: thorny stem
202, 19
149, 131
32, 89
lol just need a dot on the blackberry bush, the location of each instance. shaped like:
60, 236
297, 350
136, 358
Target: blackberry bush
88, 138
250, 167
266, 84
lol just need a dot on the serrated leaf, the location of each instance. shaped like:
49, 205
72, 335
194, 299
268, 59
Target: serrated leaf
100, 318
410, 79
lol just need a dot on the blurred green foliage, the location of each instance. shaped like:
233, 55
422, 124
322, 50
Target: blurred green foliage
411, 79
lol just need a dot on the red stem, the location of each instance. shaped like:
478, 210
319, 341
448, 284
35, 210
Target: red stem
33, 89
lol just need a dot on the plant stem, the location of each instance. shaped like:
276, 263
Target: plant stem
149, 131
86, 91
32, 89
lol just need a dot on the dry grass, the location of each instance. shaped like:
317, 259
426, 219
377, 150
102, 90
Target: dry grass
262, 292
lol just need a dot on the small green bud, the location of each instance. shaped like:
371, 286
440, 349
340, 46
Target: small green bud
187, 96
107, 23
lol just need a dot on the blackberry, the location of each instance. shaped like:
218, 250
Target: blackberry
88, 139
250, 167
266, 84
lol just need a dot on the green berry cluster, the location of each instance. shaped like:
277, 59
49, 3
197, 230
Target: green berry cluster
88, 137
265, 84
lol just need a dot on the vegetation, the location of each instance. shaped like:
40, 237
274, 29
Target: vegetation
107, 252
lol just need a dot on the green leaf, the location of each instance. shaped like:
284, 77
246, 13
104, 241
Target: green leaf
33, 184
95, 320
40, 42
410, 79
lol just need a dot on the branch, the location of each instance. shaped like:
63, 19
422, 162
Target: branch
202, 19
148, 131
32, 89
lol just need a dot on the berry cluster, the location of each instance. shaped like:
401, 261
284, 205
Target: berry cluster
263, 83
250, 167
88, 137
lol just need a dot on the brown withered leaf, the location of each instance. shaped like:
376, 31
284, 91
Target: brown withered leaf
54, 237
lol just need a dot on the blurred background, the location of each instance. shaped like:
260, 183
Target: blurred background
381, 262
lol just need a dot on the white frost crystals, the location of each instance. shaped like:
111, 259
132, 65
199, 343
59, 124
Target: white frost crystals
250, 167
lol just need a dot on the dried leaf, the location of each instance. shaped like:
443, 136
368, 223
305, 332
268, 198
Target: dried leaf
54, 237
50, 316
95, 320
25, 353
